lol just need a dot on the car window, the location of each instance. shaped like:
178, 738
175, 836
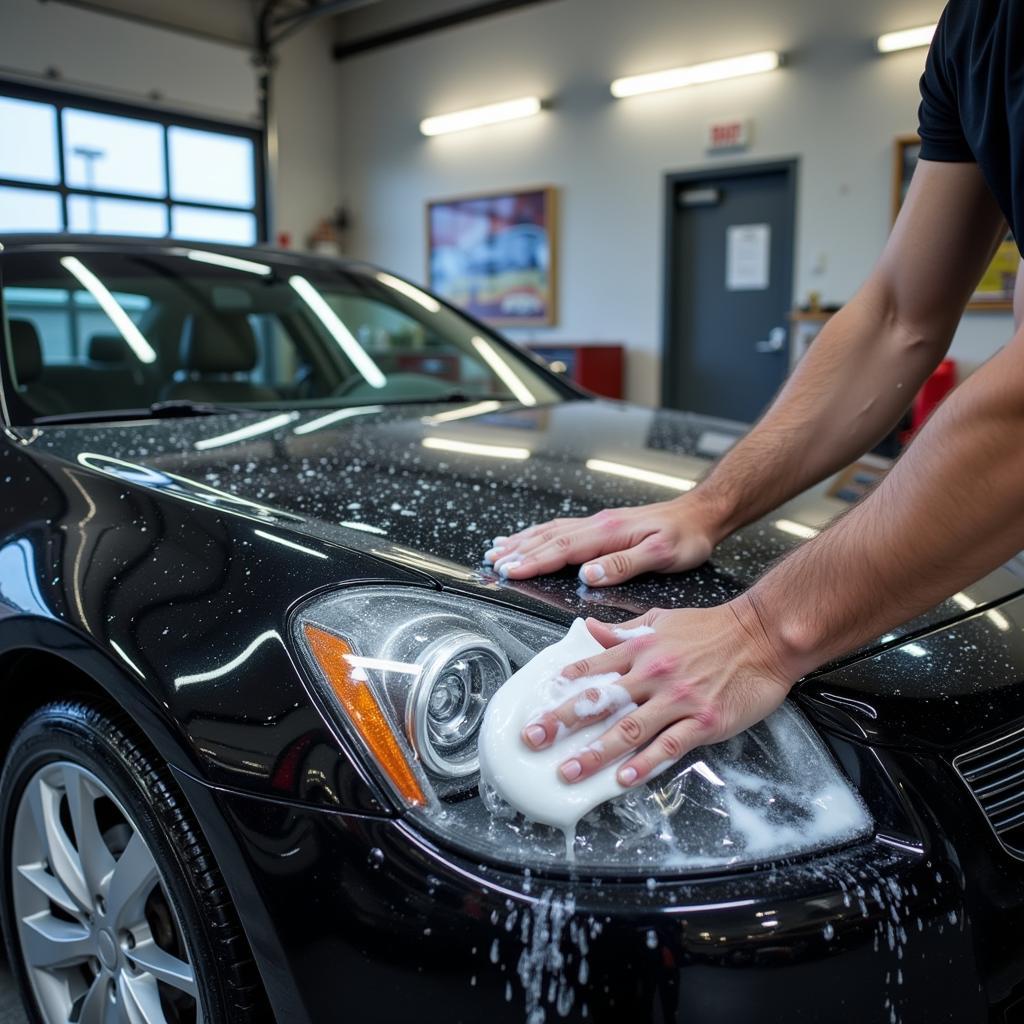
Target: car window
116, 330
67, 320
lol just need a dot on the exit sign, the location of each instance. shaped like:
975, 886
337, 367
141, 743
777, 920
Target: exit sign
732, 134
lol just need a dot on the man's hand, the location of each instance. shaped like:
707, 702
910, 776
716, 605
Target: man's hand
614, 545
702, 676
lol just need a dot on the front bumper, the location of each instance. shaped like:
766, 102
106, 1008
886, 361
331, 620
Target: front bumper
360, 918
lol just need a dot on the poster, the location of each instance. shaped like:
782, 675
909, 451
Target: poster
747, 248
495, 256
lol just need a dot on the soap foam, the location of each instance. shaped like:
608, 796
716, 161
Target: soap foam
627, 634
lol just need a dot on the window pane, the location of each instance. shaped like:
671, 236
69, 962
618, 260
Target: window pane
207, 167
116, 216
30, 209
29, 134
115, 154
213, 225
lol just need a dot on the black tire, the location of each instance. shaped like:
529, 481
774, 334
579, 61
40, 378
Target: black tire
104, 742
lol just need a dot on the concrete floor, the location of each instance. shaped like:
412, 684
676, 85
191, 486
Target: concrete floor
10, 1003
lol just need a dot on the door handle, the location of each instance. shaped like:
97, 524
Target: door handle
775, 341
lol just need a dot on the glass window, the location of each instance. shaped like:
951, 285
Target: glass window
94, 214
121, 330
34, 126
30, 209
207, 167
204, 225
113, 154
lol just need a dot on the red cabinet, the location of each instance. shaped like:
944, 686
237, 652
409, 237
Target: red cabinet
597, 368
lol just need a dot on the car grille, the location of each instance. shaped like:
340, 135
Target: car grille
995, 775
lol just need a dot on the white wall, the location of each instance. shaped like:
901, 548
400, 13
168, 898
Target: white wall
836, 105
125, 60
310, 143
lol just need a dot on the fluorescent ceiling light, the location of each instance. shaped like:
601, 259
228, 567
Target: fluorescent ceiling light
244, 433
796, 529
998, 619
478, 117
965, 602
288, 543
410, 291
697, 74
336, 417
364, 527
230, 262
144, 352
906, 39
647, 476
477, 409
508, 376
369, 370
230, 666
494, 451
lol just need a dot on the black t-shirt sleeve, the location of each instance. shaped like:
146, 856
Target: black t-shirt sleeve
940, 127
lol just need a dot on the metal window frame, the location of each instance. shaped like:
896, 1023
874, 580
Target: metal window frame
64, 99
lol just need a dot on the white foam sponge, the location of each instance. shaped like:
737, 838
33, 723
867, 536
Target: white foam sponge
529, 779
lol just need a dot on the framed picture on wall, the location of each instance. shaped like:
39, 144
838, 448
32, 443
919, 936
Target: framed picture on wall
995, 290
495, 255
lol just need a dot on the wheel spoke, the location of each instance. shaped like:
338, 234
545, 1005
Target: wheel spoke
165, 967
140, 999
96, 1004
50, 886
94, 856
134, 876
49, 942
45, 803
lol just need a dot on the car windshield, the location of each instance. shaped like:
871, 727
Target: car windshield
102, 330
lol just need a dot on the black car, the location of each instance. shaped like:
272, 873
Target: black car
247, 640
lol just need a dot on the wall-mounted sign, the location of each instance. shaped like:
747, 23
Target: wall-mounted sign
729, 135
747, 248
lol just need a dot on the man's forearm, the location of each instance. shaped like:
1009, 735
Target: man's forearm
947, 513
848, 392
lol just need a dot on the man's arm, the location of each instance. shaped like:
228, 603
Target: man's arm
947, 513
847, 393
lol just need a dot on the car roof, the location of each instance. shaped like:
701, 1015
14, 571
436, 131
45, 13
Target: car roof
57, 242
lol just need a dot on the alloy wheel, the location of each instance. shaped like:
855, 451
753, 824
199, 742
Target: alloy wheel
101, 941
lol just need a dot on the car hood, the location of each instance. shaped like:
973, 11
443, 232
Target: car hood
426, 487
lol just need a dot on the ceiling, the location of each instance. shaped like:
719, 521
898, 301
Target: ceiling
235, 21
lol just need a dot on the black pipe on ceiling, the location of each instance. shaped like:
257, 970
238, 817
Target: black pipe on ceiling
429, 25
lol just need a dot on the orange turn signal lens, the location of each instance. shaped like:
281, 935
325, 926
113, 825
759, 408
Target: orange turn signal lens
364, 712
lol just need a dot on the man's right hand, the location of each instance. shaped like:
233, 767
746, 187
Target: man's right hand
614, 545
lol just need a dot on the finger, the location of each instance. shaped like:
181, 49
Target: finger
591, 705
652, 554
609, 634
553, 550
508, 548
628, 733
515, 539
669, 746
619, 659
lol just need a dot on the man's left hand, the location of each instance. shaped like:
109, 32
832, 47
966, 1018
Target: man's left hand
701, 676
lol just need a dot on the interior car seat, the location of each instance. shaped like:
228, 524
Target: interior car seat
215, 353
28, 368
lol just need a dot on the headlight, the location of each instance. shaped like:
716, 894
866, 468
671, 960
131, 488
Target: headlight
408, 674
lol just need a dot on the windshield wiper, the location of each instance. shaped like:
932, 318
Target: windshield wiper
156, 411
